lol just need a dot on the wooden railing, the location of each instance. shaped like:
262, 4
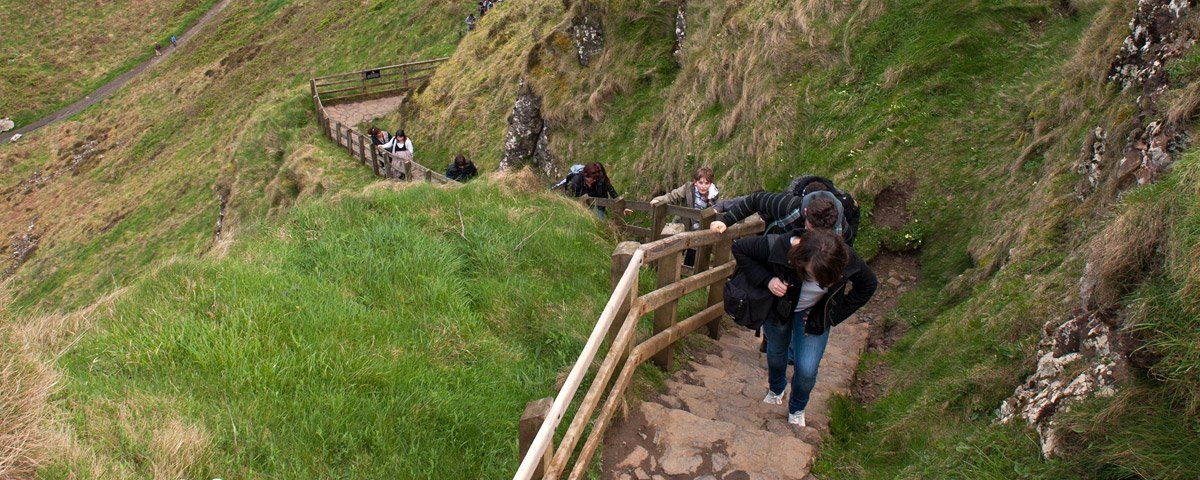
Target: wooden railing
364, 84
714, 264
375, 82
659, 216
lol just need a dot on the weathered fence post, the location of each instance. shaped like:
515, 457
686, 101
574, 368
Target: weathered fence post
620, 261
707, 216
338, 133
408, 170
722, 253
664, 317
374, 159
429, 176
350, 141
531, 421
362, 149
660, 221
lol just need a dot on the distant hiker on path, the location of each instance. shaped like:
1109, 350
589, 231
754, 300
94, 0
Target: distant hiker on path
174, 42
157, 50
594, 182
461, 169
808, 275
470, 21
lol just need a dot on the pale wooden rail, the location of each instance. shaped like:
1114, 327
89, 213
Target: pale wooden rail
625, 304
362, 85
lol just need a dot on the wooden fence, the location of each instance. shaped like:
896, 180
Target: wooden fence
364, 84
714, 264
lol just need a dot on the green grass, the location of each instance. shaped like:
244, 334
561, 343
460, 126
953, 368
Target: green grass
360, 338
64, 49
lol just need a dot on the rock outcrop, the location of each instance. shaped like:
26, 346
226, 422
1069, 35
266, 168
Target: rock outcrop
587, 32
1157, 33
21, 246
680, 32
526, 141
6, 124
1085, 356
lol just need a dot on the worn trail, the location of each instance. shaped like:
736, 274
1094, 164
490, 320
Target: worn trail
108, 89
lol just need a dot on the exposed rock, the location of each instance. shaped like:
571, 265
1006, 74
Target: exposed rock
1082, 357
1155, 35
1089, 166
6, 124
680, 32
587, 31
527, 141
22, 246
15, 137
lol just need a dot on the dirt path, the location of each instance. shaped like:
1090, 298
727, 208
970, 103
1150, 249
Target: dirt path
108, 89
356, 113
711, 424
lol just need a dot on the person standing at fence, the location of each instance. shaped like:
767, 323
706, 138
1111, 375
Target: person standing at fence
700, 193
808, 275
461, 169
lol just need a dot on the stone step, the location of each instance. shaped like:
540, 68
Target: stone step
674, 443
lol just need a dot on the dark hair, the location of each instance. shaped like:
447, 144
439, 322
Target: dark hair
825, 252
594, 171
705, 173
401, 134
821, 213
373, 131
815, 186
460, 160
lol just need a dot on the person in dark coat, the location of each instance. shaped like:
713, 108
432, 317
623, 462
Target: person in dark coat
808, 274
594, 182
461, 170
783, 212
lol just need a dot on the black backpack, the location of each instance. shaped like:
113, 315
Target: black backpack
748, 305
850, 208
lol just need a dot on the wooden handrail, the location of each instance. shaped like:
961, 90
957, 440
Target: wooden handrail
544, 436
619, 352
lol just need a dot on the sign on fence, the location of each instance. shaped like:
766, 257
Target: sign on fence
369, 74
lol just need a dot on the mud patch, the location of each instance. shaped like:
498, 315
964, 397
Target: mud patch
891, 206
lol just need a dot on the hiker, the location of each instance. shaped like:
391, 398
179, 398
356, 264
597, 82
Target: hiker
783, 213
461, 169
399, 145
174, 41
574, 172
699, 193
157, 50
593, 181
805, 185
807, 275
378, 136
470, 21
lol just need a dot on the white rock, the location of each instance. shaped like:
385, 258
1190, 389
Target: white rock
6, 124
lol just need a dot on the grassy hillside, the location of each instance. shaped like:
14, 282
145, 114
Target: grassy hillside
982, 110
56, 51
361, 337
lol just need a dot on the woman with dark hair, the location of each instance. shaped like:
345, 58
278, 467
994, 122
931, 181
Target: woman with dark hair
808, 275
593, 182
461, 170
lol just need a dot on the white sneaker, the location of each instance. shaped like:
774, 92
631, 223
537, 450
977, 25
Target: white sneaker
796, 418
772, 398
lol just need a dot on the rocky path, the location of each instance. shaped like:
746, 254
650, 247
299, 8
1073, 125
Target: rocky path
358, 112
711, 424
108, 89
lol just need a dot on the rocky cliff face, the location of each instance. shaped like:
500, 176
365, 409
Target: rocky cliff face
1090, 354
526, 141
587, 32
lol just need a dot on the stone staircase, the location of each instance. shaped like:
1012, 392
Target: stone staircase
711, 423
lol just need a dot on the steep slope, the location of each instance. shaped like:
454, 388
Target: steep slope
1046, 145
57, 51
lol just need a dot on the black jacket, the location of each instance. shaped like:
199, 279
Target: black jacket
461, 174
602, 188
765, 257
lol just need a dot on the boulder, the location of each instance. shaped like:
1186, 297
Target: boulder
587, 32
526, 140
6, 124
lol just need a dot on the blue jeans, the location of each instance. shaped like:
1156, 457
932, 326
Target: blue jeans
789, 340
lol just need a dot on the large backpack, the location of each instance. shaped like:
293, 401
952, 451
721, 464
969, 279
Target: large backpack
748, 305
850, 208
574, 172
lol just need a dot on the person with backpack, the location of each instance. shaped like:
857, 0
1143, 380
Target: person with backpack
784, 212
795, 286
461, 169
593, 181
401, 149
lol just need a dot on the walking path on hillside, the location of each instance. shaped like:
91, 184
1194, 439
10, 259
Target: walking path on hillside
711, 424
108, 89
356, 113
